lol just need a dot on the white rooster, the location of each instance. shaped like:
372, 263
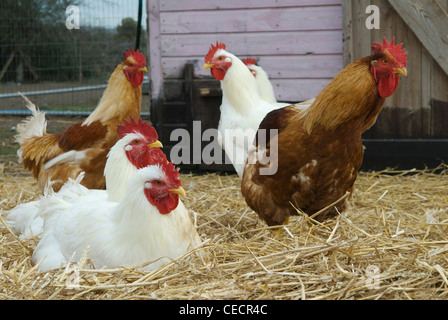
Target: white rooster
242, 108
138, 147
149, 224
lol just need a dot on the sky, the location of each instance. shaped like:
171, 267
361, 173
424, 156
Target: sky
109, 13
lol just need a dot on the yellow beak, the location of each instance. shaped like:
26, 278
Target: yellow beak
402, 71
207, 66
156, 144
180, 191
144, 69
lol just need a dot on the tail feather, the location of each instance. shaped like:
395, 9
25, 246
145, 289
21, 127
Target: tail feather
27, 219
24, 220
34, 126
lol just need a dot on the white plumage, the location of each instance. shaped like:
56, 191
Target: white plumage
242, 108
26, 218
124, 233
265, 88
34, 126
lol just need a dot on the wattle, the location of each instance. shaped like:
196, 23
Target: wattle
167, 204
388, 85
137, 79
218, 74
134, 77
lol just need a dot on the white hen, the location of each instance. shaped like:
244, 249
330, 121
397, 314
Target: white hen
242, 108
137, 148
147, 225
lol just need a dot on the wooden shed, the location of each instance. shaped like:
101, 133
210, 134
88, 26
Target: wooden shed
303, 44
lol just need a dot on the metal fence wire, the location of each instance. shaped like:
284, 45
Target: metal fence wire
60, 53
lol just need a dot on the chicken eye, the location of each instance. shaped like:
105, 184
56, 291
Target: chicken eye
136, 141
157, 182
220, 58
385, 61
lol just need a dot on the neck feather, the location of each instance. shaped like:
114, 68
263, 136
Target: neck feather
352, 94
239, 87
119, 101
118, 171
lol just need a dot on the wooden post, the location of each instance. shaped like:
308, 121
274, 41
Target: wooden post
347, 31
5, 67
155, 63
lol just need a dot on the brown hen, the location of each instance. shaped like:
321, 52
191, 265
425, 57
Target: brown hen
320, 149
83, 146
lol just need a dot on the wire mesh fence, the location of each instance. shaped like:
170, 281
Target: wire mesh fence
62, 52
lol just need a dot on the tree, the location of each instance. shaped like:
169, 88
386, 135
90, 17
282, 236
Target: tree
127, 31
33, 33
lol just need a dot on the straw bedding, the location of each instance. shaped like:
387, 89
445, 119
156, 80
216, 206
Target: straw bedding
390, 244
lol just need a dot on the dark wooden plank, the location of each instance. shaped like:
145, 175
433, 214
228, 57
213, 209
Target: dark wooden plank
404, 154
439, 118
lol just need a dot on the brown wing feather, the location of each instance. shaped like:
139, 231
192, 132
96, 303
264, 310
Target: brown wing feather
313, 171
78, 136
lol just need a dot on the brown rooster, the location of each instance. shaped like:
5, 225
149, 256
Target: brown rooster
83, 146
320, 148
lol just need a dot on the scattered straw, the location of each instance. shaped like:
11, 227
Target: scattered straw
391, 243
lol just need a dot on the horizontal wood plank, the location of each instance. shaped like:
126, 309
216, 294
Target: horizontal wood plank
253, 20
186, 5
291, 90
269, 43
305, 67
295, 90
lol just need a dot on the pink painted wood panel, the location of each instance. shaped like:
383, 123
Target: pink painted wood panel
194, 5
277, 67
294, 90
253, 20
268, 43
298, 42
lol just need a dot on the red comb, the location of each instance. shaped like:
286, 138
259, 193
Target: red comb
171, 172
213, 49
395, 50
248, 61
136, 55
157, 156
140, 127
